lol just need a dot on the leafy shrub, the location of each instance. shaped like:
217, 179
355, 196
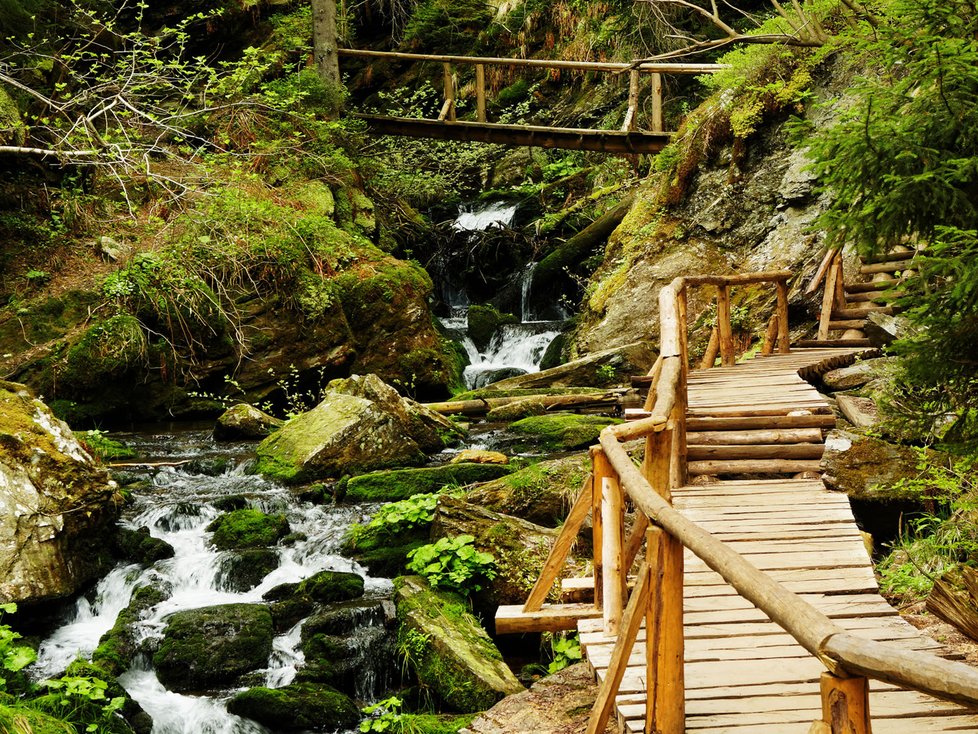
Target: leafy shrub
398, 517
454, 564
566, 650
13, 657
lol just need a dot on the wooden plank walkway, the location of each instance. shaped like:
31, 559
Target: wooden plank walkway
743, 673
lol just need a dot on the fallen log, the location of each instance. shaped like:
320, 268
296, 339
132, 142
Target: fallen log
481, 406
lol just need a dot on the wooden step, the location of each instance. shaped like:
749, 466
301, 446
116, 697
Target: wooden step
747, 423
887, 267
861, 312
889, 257
511, 619
753, 466
876, 285
763, 451
754, 438
821, 343
844, 324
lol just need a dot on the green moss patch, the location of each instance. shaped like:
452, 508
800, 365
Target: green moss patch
297, 706
484, 321
400, 484
562, 431
247, 528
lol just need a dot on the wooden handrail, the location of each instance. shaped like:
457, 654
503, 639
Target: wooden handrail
647, 67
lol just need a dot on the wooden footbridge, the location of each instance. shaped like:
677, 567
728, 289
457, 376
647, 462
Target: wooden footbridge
730, 605
630, 139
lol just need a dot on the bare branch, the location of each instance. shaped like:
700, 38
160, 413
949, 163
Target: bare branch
713, 17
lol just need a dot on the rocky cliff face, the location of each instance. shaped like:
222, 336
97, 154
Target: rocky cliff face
56, 506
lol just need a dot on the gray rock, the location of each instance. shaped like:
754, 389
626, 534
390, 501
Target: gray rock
882, 329
245, 421
798, 180
111, 250
57, 507
855, 375
861, 412
361, 424
458, 662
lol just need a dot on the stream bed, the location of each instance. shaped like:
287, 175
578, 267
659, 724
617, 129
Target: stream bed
177, 503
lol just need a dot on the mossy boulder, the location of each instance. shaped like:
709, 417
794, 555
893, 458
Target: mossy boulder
247, 528
541, 493
213, 646
117, 648
58, 506
484, 321
297, 706
16, 717
451, 654
479, 456
243, 421
244, 570
519, 547
138, 546
382, 551
361, 424
400, 484
560, 431
12, 129
323, 587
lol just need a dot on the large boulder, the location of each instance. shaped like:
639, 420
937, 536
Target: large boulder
245, 421
541, 493
298, 706
519, 547
556, 704
869, 468
57, 506
247, 528
213, 646
361, 424
608, 367
560, 431
457, 660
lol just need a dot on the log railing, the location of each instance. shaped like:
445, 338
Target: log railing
634, 71
656, 595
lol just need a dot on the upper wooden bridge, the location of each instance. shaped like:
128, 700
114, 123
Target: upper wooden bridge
630, 139
736, 606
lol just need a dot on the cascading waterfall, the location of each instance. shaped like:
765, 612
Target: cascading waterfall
177, 508
514, 348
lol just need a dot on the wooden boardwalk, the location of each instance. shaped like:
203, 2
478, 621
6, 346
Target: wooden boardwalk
743, 673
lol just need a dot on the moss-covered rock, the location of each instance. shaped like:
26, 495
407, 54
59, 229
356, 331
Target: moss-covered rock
107, 352
138, 546
244, 570
519, 547
58, 507
245, 421
561, 431
18, 717
361, 424
484, 321
117, 648
213, 646
400, 484
448, 649
323, 587
12, 129
479, 456
297, 706
541, 493
247, 528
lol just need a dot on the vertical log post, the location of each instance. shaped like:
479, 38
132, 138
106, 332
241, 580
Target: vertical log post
448, 108
665, 709
631, 116
828, 296
784, 340
770, 336
840, 284
480, 92
613, 572
677, 465
712, 350
600, 469
845, 704
658, 123
723, 324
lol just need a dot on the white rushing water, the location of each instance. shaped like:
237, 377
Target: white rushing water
177, 508
478, 218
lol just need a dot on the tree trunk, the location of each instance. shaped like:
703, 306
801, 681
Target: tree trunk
324, 40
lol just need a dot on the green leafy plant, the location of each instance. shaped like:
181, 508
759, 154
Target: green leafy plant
566, 650
397, 517
384, 715
14, 657
454, 564
76, 696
